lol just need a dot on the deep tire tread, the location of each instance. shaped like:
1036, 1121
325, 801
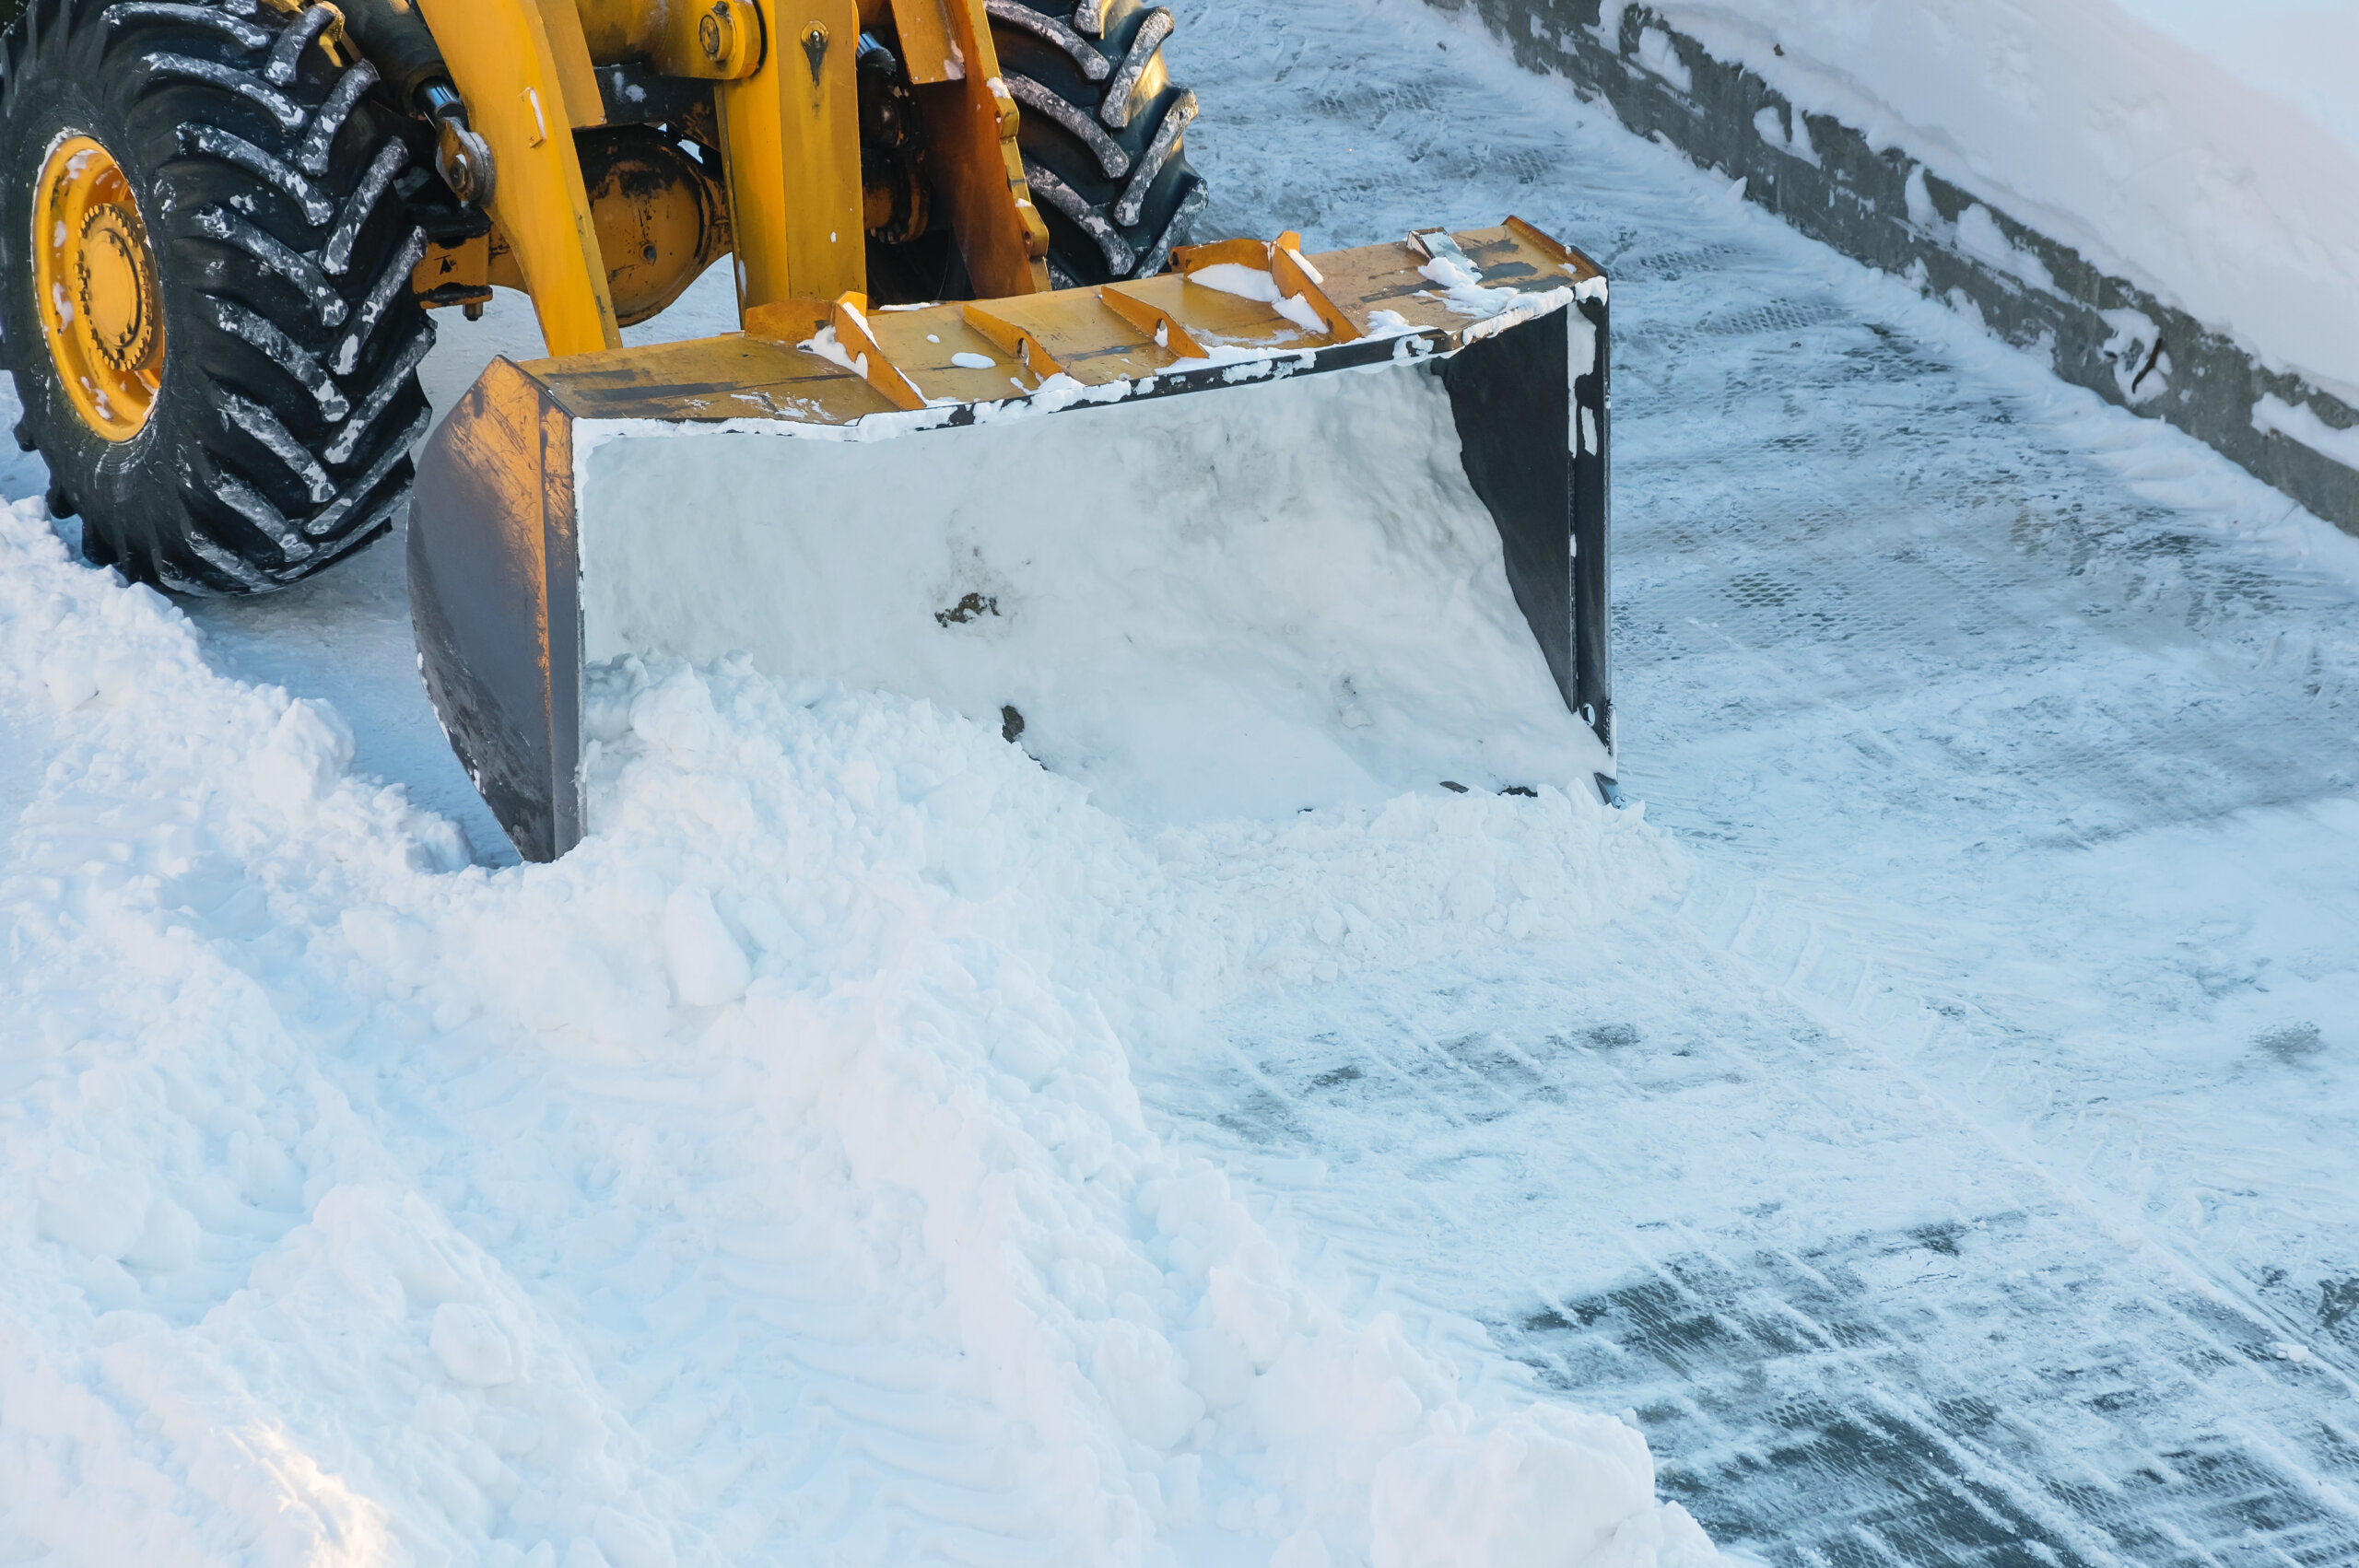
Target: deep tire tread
281, 439
301, 273
1115, 109
1042, 24
390, 159
245, 33
1102, 133
160, 68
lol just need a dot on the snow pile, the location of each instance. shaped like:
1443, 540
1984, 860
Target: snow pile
1256, 283
1278, 594
764, 1182
2203, 152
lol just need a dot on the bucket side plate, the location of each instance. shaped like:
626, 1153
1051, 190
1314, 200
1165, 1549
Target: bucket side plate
1532, 405
493, 587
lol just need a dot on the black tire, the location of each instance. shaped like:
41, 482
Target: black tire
1101, 133
280, 434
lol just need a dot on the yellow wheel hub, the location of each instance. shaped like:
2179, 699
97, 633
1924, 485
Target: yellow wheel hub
94, 275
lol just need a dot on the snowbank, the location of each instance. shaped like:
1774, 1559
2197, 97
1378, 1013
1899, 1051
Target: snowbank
2203, 152
763, 1182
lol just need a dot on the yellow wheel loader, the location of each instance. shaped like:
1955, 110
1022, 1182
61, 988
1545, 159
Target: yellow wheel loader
1209, 527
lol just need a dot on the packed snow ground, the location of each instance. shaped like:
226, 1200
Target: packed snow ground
1929, 1123
765, 1182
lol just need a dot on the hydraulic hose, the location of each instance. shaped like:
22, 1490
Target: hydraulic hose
399, 44
396, 40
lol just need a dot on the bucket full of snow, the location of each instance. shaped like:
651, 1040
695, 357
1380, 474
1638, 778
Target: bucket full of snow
1374, 562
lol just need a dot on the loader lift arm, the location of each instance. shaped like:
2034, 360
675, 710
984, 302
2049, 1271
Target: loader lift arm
786, 89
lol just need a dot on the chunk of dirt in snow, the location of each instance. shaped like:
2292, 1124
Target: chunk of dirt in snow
2290, 1043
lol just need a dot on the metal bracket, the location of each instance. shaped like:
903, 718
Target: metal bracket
718, 42
333, 41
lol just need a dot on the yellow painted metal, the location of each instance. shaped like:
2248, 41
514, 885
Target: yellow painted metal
790, 137
1014, 338
1083, 336
1290, 272
946, 358
1222, 320
787, 320
971, 126
717, 40
1547, 244
707, 40
95, 278
789, 120
933, 347
789, 115
569, 49
504, 270
762, 374
874, 366
1159, 324
1254, 253
1296, 276
455, 274
928, 52
1097, 336
621, 30
661, 219
334, 43
506, 68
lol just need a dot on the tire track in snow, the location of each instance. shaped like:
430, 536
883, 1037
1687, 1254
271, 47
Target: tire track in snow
1834, 1308
1956, 685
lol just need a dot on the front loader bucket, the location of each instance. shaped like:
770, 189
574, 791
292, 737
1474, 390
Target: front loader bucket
1274, 533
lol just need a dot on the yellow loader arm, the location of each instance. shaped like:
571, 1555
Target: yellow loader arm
787, 105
